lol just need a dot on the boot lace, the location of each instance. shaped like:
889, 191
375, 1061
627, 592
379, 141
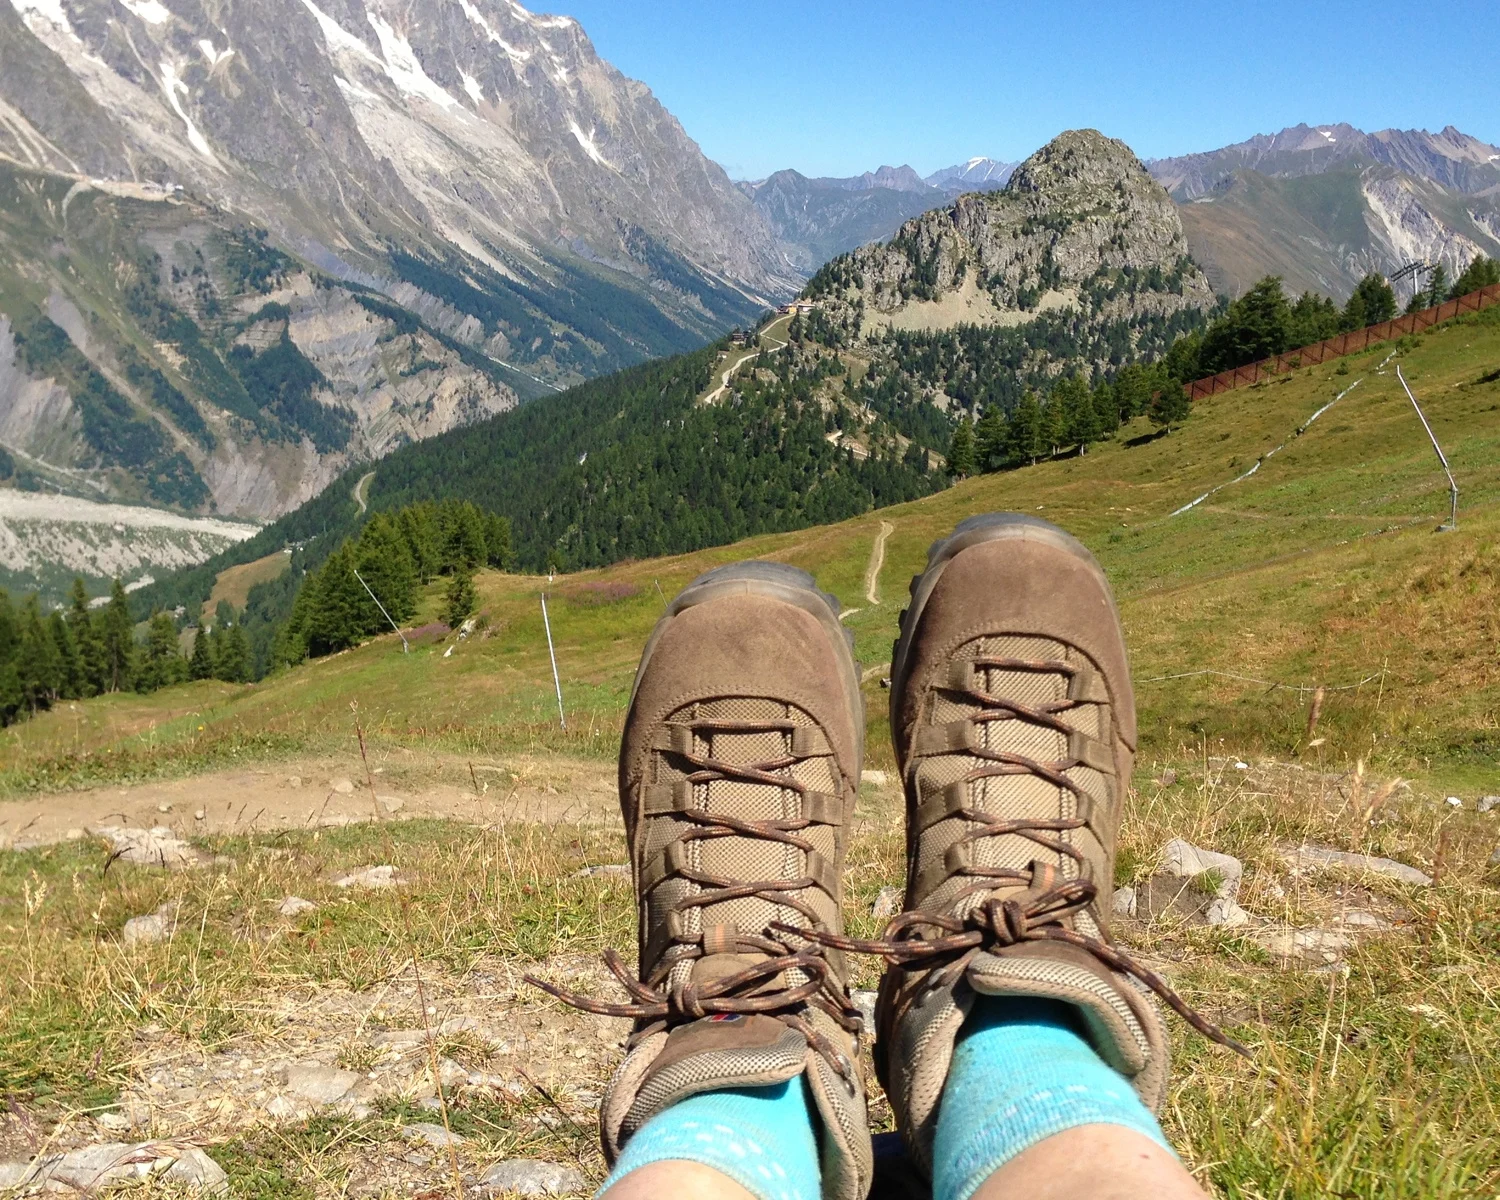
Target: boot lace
1045, 909
657, 1002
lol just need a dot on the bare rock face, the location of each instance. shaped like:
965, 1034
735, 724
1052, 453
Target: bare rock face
97, 1168
1079, 209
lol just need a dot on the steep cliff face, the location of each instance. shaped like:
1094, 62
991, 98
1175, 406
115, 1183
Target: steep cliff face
1079, 225
152, 352
441, 204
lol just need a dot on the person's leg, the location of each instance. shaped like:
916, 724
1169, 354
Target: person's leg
1029, 1109
739, 764
1009, 1025
731, 1144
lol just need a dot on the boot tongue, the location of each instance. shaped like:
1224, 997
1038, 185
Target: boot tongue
715, 1053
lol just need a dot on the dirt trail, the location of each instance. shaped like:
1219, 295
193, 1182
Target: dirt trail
321, 792
359, 489
877, 561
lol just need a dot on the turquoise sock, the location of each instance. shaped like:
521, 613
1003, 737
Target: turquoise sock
762, 1138
1021, 1072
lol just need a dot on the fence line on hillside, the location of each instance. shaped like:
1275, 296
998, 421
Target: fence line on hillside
1344, 343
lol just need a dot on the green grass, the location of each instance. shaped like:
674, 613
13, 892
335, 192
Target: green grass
1320, 569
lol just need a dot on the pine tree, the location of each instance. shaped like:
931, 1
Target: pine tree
201, 665
10, 628
989, 440
71, 681
37, 661
460, 599
339, 604
117, 641
497, 541
86, 635
1025, 433
1372, 302
1171, 405
961, 455
1437, 286
233, 661
384, 562
1481, 272
161, 663
1075, 404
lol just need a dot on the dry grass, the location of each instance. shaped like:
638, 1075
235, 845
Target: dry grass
1370, 1079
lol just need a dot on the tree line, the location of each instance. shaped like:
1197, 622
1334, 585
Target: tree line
339, 604
79, 651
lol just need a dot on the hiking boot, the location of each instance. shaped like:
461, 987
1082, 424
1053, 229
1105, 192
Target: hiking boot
739, 766
1014, 726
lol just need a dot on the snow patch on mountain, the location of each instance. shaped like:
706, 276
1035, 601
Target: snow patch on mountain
586, 140
215, 57
172, 85
515, 53
49, 10
403, 67
153, 12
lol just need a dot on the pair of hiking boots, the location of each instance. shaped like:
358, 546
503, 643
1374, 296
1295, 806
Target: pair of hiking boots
1014, 727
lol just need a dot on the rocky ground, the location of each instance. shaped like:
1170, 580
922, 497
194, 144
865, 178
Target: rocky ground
351, 1044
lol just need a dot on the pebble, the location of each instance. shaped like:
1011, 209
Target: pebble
1124, 902
95, 1168
1487, 804
1321, 856
1495, 857
163, 808
873, 778
294, 781
295, 906
864, 1000
76, 835
888, 902
1455, 802
531, 1177
370, 877
201, 814
430, 1104
1327, 944
343, 787
606, 870
155, 847
314, 1082
434, 1135
1168, 778
391, 804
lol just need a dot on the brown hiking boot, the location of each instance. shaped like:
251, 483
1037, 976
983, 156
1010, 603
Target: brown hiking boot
1014, 724
738, 771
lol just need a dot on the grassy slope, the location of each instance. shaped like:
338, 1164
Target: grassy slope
1321, 568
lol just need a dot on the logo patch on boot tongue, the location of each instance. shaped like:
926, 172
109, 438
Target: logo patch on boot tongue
727, 1017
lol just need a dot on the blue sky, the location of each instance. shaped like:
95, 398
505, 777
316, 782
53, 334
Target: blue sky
835, 87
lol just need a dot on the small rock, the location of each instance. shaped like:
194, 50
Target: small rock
530, 1177
95, 1168
398, 1038
873, 778
295, 906
113, 1121
1241, 766
888, 903
153, 928
314, 1082
1495, 857
1359, 918
294, 781
1124, 902
155, 847
163, 808
76, 835
283, 1109
605, 871
430, 1104
434, 1135
200, 815
1168, 778
370, 877
451, 1074
342, 786
1183, 860
1321, 856
1455, 802
1487, 804
391, 804
1325, 944
864, 1000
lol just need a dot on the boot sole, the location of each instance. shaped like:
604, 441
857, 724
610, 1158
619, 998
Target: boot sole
777, 581
973, 531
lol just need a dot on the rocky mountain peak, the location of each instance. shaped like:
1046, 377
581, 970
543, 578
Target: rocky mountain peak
1080, 224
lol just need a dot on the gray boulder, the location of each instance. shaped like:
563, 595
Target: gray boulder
531, 1177
111, 1164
